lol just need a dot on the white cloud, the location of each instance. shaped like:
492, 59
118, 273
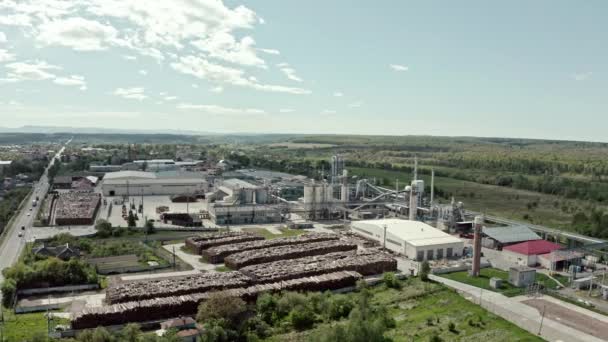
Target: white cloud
338, 94
163, 93
328, 111
286, 110
134, 93
129, 57
2, 37
143, 72
72, 80
581, 76
289, 72
220, 110
31, 71
194, 85
217, 89
270, 51
6, 56
203, 69
399, 67
15, 20
224, 46
356, 104
78, 33
170, 98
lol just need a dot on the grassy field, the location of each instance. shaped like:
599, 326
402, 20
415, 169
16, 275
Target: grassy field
25, 327
493, 200
285, 232
422, 310
483, 281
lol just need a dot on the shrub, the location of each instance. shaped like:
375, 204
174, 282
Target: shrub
9, 288
391, 281
425, 270
302, 319
339, 307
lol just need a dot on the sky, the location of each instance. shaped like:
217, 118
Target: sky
534, 69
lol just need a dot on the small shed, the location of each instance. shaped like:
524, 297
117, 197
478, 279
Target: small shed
522, 276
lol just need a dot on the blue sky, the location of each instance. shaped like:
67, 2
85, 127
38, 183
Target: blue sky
516, 68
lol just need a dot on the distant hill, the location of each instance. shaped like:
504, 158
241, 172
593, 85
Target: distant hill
95, 130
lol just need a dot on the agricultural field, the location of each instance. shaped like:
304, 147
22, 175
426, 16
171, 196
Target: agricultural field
483, 281
26, 327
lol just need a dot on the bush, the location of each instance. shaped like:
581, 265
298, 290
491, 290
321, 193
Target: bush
9, 288
338, 307
391, 281
149, 227
266, 307
302, 319
104, 228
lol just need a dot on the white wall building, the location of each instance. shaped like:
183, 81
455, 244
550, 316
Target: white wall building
414, 239
137, 183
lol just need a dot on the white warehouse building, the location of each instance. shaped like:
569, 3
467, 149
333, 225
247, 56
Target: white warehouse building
137, 183
414, 239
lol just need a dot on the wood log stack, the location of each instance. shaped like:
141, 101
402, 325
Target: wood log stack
156, 288
201, 242
365, 263
175, 306
216, 255
259, 256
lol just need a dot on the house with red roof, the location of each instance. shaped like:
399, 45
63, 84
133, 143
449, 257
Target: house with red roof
527, 253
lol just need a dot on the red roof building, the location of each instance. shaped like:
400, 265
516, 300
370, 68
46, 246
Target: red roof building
526, 253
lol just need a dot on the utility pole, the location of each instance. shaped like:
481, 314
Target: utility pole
384, 245
174, 258
542, 318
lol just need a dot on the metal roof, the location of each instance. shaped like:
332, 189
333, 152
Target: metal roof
415, 233
510, 234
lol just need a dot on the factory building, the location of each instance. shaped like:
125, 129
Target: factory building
499, 237
527, 253
137, 183
416, 240
239, 202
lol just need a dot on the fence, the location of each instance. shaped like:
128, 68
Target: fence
56, 289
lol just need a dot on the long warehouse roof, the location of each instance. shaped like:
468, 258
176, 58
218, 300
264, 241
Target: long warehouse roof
510, 234
415, 233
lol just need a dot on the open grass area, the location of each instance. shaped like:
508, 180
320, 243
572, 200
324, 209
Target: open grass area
483, 281
493, 200
223, 268
24, 327
285, 232
423, 310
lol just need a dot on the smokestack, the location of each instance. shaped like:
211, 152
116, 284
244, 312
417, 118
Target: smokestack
413, 201
432, 186
477, 225
344, 189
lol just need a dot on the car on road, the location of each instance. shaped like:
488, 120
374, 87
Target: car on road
28, 214
22, 227
20, 234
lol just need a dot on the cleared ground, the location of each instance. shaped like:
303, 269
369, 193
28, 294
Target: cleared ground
570, 318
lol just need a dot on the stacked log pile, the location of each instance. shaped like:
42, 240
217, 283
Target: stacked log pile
201, 242
217, 254
155, 288
259, 256
175, 306
365, 263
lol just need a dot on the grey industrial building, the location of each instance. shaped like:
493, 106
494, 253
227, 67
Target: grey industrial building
136, 183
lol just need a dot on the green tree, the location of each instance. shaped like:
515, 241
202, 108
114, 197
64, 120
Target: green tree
104, 228
9, 288
131, 222
391, 281
223, 307
130, 333
301, 318
149, 227
425, 270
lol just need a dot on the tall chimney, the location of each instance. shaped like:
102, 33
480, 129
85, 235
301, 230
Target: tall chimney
477, 226
413, 201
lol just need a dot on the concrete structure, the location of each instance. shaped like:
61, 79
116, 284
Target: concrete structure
135, 183
522, 276
63, 252
105, 168
560, 259
62, 182
5, 163
499, 237
526, 253
495, 283
414, 239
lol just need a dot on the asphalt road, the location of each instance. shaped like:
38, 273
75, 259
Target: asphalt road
15, 238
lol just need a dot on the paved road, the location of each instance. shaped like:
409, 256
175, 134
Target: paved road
15, 238
520, 314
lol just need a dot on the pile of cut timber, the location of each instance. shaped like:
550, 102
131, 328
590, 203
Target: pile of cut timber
365, 263
175, 306
259, 256
175, 286
201, 242
217, 254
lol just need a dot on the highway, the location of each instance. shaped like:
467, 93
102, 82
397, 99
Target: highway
15, 237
